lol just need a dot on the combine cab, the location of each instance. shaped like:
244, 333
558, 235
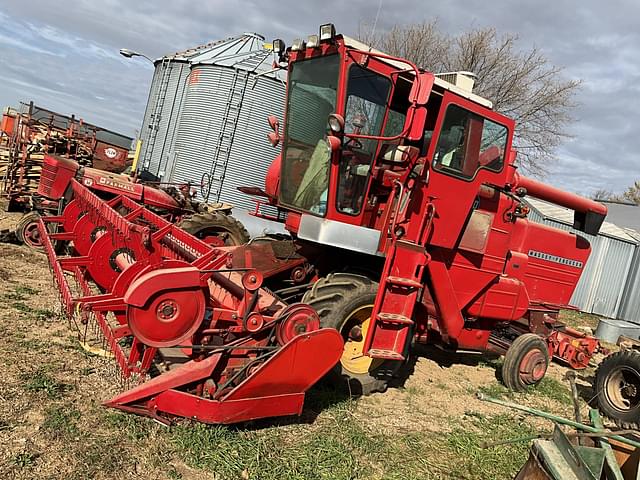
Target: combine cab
408, 226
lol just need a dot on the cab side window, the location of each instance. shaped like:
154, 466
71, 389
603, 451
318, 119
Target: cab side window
469, 142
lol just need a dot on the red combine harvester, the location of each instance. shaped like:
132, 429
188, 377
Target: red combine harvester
408, 226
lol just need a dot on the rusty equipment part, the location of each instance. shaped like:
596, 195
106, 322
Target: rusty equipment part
153, 291
573, 347
34, 132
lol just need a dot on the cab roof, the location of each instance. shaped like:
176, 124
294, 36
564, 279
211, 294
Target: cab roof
439, 82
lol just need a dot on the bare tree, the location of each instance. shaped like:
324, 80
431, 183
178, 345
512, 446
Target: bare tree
632, 194
521, 83
603, 194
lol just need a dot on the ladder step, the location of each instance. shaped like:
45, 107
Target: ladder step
404, 282
394, 318
385, 354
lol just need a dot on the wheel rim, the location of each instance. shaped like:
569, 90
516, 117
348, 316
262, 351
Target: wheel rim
623, 388
354, 331
31, 235
533, 367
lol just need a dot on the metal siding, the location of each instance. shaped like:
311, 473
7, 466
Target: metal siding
173, 111
200, 124
252, 153
163, 145
145, 130
600, 289
202, 115
630, 308
613, 277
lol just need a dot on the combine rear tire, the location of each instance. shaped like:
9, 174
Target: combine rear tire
27, 230
525, 363
344, 301
617, 388
215, 228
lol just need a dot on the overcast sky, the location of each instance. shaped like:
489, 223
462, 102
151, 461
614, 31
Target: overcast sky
64, 56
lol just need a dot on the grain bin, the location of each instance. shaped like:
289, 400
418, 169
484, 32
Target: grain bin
207, 114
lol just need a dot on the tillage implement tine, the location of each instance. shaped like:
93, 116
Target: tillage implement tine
220, 345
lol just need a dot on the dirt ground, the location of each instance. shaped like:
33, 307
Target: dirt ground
53, 426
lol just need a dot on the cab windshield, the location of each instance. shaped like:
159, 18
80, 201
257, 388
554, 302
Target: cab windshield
306, 157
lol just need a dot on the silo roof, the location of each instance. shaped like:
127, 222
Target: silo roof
247, 51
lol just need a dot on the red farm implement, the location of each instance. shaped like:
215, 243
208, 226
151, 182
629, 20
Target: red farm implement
408, 225
236, 351
34, 132
40, 142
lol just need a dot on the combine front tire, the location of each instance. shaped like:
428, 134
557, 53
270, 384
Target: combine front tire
215, 228
525, 363
27, 230
344, 301
617, 388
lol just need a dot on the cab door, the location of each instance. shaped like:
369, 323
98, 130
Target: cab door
469, 147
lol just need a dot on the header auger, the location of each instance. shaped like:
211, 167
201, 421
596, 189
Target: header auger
235, 352
407, 226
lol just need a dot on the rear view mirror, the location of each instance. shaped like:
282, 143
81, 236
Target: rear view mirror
414, 123
274, 137
274, 123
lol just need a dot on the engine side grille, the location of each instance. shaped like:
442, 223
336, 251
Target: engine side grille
47, 178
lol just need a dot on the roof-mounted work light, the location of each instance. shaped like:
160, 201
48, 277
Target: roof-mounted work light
313, 41
278, 46
298, 44
327, 32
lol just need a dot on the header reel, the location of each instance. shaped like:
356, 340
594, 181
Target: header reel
152, 292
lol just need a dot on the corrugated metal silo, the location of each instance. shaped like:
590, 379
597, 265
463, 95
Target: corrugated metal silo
160, 117
218, 121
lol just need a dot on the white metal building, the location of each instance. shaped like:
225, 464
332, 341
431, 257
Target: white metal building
608, 284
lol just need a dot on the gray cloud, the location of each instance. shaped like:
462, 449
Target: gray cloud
64, 56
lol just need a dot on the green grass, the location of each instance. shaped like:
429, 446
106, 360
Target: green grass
343, 443
474, 461
271, 453
548, 388
26, 290
40, 381
337, 447
25, 459
579, 319
21, 292
496, 390
60, 421
553, 389
136, 428
40, 314
102, 458
172, 473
